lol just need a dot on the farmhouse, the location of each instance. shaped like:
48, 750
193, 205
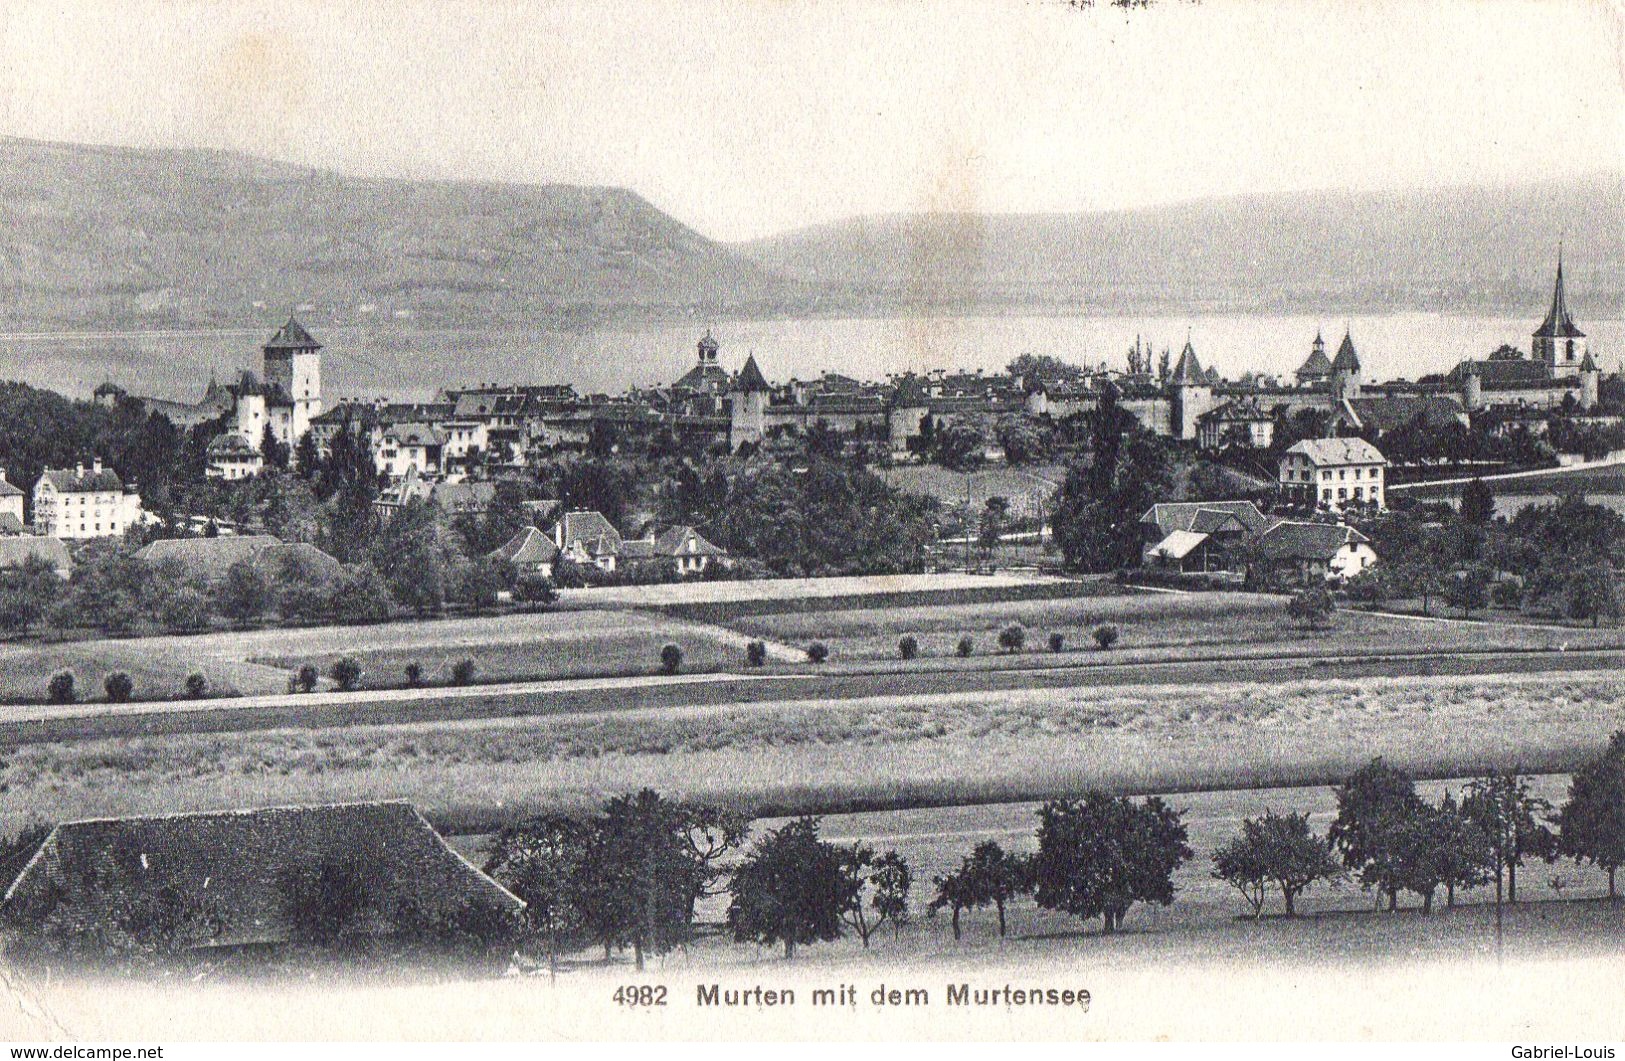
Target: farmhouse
1307, 552
80, 502
1333, 473
208, 559
529, 551
238, 878
588, 538
1199, 535
682, 547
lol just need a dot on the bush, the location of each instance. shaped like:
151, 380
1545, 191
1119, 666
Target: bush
1105, 635
1507, 594
1057, 641
671, 659
462, 672
818, 652
119, 687
756, 653
1311, 607
61, 688
1012, 637
414, 675
908, 647
345, 672
305, 680
533, 589
197, 686
965, 647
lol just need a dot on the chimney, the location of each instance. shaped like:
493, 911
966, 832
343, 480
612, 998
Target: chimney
2, 475
96, 465
78, 470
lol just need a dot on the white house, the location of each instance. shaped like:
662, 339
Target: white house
1310, 551
11, 505
1332, 473
404, 447
80, 502
233, 457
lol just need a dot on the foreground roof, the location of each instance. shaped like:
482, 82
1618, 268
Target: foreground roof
1294, 540
1204, 516
236, 869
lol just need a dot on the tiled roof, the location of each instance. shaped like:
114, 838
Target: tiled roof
8, 490
1317, 365
1179, 544
232, 444
1346, 360
84, 481
292, 336
1334, 451
1189, 369
674, 542
236, 869
529, 546
14, 549
413, 434
589, 528
750, 378
207, 558
1294, 540
10, 524
1394, 411
1170, 516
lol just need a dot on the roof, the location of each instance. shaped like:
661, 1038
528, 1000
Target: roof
10, 524
1170, 516
1334, 451
232, 444
1294, 540
83, 480
413, 434
1189, 369
276, 560
1587, 364
1238, 410
1346, 360
674, 542
1558, 324
1504, 373
750, 379
1390, 412
210, 558
1317, 364
237, 870
528, 546
7, 489
708, 376
1178, 545
590, 528
15, 549
292, 336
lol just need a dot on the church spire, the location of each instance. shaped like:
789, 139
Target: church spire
1558, 324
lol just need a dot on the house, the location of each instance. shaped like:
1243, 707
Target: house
11, 503
458, 499
17, 549
682, 547
79, 502
1306, 552
236, 878
231, 456
1333, 473
1199, 535
530, 552
207, 560
588, 538
1240, 422
411, 447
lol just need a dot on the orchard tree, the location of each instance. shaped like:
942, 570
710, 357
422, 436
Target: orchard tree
1591, 593
27, 592
1099, 855
243, 594
1512, 817
1369, 805
792, 888
881, 886
1591, 825
542, 860
1276, 849
1477, 503
997, 877
1468, 590
1311, 607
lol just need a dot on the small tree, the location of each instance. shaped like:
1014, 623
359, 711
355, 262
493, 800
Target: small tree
1370, 804
671, 659
908, 646
60, 688
1591, 825
995, 876
345, 672
881, 887
1012, 637
543, 860
243, 595
1105, 635
1057, 641
892, 881
1275, 849
463, 671
304, 680
119, 687
1592, 594
818, 652
414, 675
1468, 590
965, 647
756, 653
954, 893
791, 888
1512, 817
197, 686
1311, 607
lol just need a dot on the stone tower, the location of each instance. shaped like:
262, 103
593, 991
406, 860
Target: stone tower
747, 406
293, 363
1345, 378
1557, 342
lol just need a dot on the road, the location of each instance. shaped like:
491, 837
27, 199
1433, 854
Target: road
40, 723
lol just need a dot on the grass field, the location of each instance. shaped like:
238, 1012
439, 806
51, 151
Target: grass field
1609, 479
1151, 626
881, 751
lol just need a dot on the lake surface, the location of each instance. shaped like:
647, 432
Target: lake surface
409, 361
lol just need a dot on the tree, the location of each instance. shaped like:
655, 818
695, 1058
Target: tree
793, 888
1099, 855
360, 595
1369, 806
306, 457
27, 592
1591, 824
880, 887
60, 689
908, 646
996, 877
187, 608
1311, 607
345, 672
1512, 817
542, 860
462, 672
1592, 593
1477, 503
671, 659
1105, 635
954, 892
118, 686
756, 653
1280, 849
243, 594
1467, 590
995, 518
197, 686
1012, 637
274, 450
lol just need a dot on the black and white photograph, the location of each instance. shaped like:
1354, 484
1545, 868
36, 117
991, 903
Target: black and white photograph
566, 521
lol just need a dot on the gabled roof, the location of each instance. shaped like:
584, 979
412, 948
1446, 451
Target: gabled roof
1346, 360
236, 869
750, 379
1389, 412
527, 547
1558, 324
83, 480
232, 445
15, 549
292, 336
1178, 545
1189, 369
8, 490
589, 528
11, 525
1169, 516
1294, 540
207, 558
1335, 451
413, 434
674, 542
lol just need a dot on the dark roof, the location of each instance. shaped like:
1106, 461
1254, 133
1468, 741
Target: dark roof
10, 524
7, 489
674, 542
1170, 516
590, 528
292, 336
207, 558
528, 547
1558, 324
83, 480
1394, 411
750, 378
235, 868
1346, 360
1499, 374
1317, 365
1238, 410
231, 444
1293, 540
14, 549
1189, 370
707, 377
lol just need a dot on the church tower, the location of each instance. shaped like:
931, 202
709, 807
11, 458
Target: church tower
1345, 378
747, 406
293, 362
1558, 344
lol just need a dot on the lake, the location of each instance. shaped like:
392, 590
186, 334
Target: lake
401, 359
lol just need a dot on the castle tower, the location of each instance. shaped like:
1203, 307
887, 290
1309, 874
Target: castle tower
747, 406
1590, 382
1190, 395
708, 348
293, 363
1345, 378
1557, 342
1472, 389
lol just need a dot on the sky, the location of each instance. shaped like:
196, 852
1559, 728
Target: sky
744, 118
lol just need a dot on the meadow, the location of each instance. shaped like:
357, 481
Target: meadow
816, 755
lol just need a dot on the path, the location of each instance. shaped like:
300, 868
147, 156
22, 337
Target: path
1606, 462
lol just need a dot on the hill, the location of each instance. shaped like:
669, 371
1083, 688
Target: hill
128, 237
1458, 248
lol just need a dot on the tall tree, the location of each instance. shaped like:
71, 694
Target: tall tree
1099, 855
792, 888
1370, 806
1591, 824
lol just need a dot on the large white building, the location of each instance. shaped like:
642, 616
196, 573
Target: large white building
1333, 473
80, 502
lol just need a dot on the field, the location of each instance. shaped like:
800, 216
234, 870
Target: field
1025, 488
1151, 626
1607, 479
817, 754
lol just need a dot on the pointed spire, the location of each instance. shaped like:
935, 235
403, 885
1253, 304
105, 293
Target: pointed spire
1558, 324
1189, 369
1346, 360
750, 379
